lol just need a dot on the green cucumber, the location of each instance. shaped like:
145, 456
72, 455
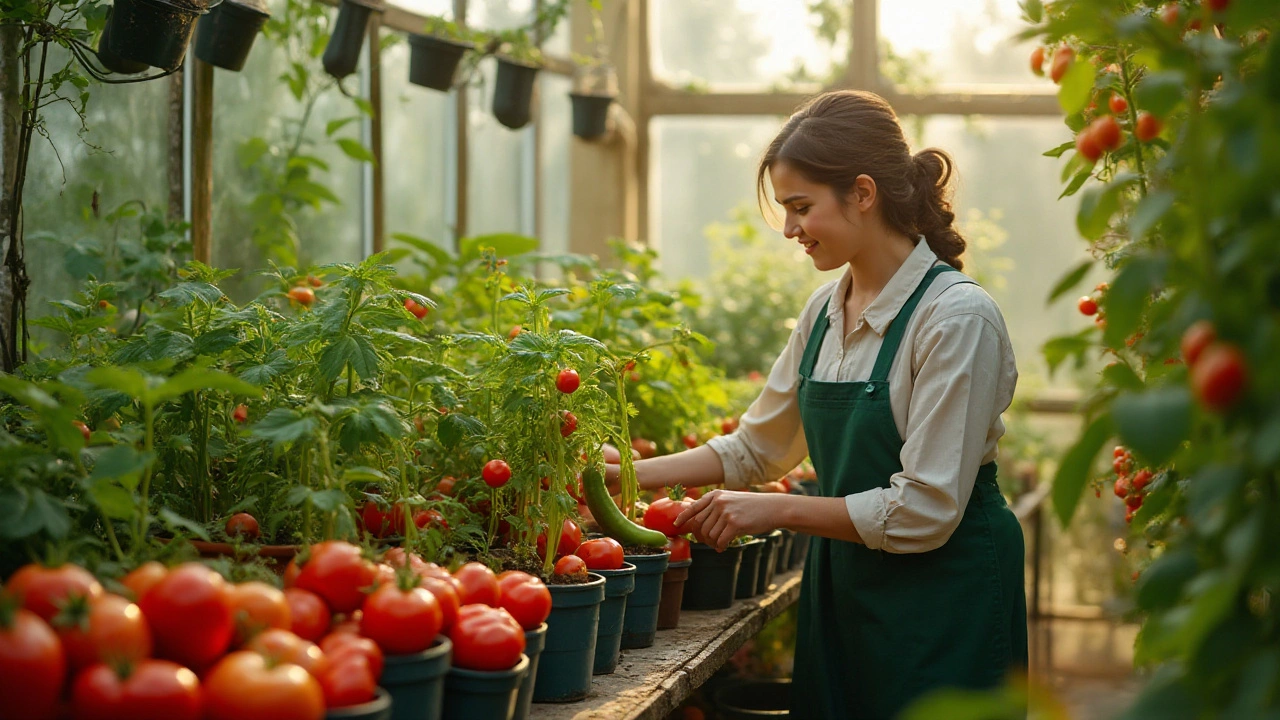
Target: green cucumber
610, 518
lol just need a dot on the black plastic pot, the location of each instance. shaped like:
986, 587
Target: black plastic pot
379, 708
783, 561
713, 577
225, 36
433, 61
640, 626
750, 569
534, 641
342, 54
754, 699
799, 549
590, 113
768, 558
114, 62
618, 585
564, 673
673, 581
483, 694
513, 93
416, 682
155, 32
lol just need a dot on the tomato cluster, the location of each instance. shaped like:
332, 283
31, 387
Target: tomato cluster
1129, 486
1089, 305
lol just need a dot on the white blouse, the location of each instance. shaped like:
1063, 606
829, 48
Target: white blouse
946, 397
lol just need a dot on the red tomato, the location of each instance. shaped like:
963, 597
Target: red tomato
1087, 145
601, 554
107, 628
32, 666
346, 680
337, 643
568, 381
397, 558
690, 441
1118, 104
479, 584
151, 690
1133, 502
43, 589
486, 638
568, 423
728, 425
256, 606
445, 486
283, 646
188, 592
1119, 451
144, 577
243, 525
1196, 338
662, 513
446, 594
1121, 487
401, 621
84, 430
304, 296
1219, 376
496, 473
1062, 59
570, 565
1037, 61
1148, 127
1216, 5
338, 573
314, 281
570, 539
515, 330
1107, 133
244, 686
526, 597
309, 617
679, 548
419, 311
378, 522
241, 413
1170, 14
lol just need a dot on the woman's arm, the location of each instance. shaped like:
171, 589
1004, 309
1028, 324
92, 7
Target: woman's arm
721, 515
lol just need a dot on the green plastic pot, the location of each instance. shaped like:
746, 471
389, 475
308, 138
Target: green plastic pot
416, 682
513, 93
534, 640
483, 694
673, 581
342, 53
753, 699
618, 585
768, 558
799, 549
379, 708
564, 672
713, 577
745, 587
590, 114
640, 625
433, 61
782, 562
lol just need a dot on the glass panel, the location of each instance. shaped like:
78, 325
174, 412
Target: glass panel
258, 130
122, 157
443, 8
417, 134
499, 163
748, 44
964, 43
498, 14
555, 124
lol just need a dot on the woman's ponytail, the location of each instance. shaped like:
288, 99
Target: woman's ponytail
934, 217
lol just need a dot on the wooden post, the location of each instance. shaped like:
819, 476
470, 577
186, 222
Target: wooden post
378, 203
202, 162
11, 42
460, 169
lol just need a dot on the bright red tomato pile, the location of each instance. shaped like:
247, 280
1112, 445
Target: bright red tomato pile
190, 645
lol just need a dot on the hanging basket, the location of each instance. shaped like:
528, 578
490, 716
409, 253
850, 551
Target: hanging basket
513, 93
342, 54
433, 61
155, 32
225, 36
590, 115
110, 60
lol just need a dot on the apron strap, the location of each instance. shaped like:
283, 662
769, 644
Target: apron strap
898, 326
812, 347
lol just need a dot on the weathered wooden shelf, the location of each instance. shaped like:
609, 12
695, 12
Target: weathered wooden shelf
651, 682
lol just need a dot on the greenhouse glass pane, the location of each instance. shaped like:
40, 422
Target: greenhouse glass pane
499, 165
498, 14
555, 123
417, 131
442, 8
748, 44
965, 43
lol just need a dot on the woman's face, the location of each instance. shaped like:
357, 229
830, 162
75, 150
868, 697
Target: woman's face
828, 229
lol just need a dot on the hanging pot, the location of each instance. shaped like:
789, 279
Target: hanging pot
564, 673
342, 54
155, 32
590, 115
640, 625
433, 61
110, 60
225, 36
618, 585
750, 569
513, 93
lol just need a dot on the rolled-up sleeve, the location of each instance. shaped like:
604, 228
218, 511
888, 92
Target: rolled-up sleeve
955, 401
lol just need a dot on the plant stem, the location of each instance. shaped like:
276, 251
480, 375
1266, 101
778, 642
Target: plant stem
1126, 83
111, 536
148, 414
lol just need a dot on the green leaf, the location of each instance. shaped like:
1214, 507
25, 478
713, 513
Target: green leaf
122, 464
114, 501
1077, 181
1076, 87
352, 349
125, 380
176, 522
1003, 703
334, 126
1159, 93
1128, 296
1165, 697
51, 514
454, 428
1076, 467
276, 364
1210, 493
1099, 204
188, 292
217, 341
355, 150
1148, 213
1059, 150
439, 255
1058, 350
505, 245
284, 425
371, 422
1070, 280
1155, 423
202, 379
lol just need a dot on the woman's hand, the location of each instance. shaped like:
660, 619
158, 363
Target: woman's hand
722, 515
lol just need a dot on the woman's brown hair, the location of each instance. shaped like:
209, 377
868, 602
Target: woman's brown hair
839, 135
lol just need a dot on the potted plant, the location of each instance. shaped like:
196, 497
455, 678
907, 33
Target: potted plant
603, 556
518, 66
155, 32
114, 62
435, 55
225, 36
342, 53
595, 86
713, 577
749, 570
673, 581
768, 560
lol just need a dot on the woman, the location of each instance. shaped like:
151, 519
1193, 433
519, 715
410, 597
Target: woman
892, 383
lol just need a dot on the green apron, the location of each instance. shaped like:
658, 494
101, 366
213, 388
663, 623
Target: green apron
877, 630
